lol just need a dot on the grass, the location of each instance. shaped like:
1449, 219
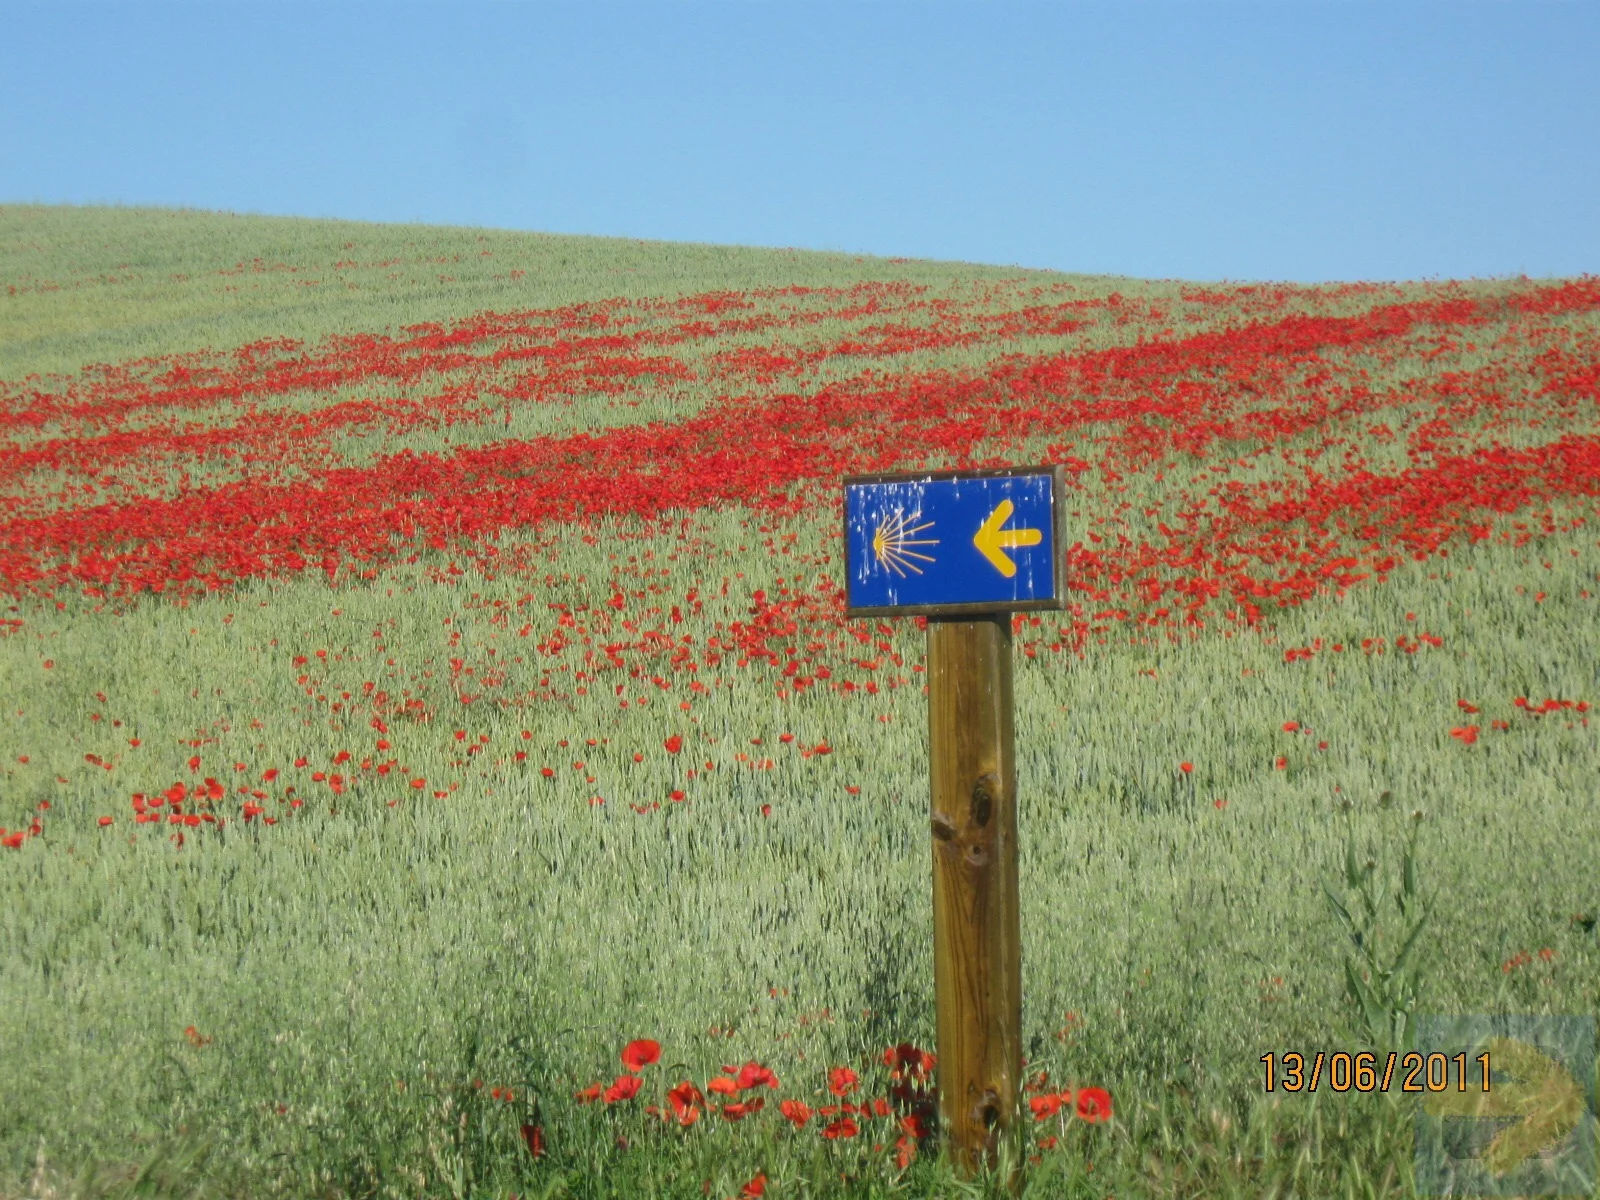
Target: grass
305, 1009
111, 284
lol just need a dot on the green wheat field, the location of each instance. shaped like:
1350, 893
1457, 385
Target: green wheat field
478, 595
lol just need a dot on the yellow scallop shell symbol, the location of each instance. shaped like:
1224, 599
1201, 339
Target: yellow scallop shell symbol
893, 539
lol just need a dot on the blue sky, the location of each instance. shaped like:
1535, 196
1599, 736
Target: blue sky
1293, 140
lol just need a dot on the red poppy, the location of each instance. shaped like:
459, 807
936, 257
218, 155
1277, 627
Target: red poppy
753, 1074
905, 1150
673, 744
916, 1125
1046, 1106
1186, 767
738, 1112
796, 1111
844, 1127
754, 1189
637, 1055
626, 1087
688, 1102
533, 1136
1094, 1104
589, 1094
722, 1085
842, 1081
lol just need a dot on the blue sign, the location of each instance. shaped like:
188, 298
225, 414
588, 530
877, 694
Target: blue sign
976, 541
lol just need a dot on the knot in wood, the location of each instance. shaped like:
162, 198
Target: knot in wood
987, 1111
983, 793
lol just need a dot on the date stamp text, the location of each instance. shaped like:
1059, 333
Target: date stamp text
1365, 1071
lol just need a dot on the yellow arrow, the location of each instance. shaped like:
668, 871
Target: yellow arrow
1541, 1091
992, 541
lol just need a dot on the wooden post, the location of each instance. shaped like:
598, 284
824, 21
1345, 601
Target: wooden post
977, 954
